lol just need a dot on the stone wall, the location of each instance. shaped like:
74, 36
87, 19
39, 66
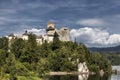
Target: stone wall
64, 34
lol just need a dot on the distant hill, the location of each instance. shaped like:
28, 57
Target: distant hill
112, 53
107, 49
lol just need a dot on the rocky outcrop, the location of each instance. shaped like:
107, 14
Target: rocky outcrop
82, 68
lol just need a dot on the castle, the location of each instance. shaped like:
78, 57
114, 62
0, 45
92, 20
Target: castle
63, 34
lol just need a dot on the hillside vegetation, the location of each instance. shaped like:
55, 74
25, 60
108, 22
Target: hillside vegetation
26, 59
113, 57
111, 53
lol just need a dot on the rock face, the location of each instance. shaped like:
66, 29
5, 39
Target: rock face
82, 68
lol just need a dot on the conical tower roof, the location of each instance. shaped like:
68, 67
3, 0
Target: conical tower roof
11, 35
26, 33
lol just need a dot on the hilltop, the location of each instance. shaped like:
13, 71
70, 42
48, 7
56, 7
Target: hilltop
27, 58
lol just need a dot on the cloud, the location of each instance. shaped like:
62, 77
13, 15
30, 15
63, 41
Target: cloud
7, 11
10, 20
114, 39
91, 22
110, 23
37, 31
2, 23
95, 37
36, 13
31, 30
15, 1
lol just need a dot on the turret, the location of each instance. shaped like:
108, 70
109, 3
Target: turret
11, 36
50, 26
25, 33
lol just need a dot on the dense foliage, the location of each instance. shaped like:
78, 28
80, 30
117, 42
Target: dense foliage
111, 53
114, 57
27, 58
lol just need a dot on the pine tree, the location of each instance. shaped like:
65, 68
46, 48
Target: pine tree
17, 47
32, 40
56, 41
4, 43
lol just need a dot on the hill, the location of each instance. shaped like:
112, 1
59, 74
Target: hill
106, 49
28, 59
112, 53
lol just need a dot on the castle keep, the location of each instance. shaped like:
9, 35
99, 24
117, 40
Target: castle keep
63, 34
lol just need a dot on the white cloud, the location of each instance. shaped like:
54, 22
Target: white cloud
91, 22
95, 37
37, 31
114, 38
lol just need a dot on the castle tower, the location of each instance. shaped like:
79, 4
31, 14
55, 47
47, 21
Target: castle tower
50, 31
50, 26
25, 35
11, 36
64, 34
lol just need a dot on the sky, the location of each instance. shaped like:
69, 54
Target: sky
95, 23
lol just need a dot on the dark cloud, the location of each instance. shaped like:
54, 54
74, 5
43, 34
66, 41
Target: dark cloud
35, 13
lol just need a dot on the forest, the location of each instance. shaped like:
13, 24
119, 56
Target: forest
28, 60
111, 53
113, 57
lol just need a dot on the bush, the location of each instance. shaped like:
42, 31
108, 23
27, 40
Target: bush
21, 69
94, 68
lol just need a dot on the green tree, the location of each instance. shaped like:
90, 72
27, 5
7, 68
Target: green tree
3, 56
43, 66
11, 65
44, 49
4, 43
17, 47
32, 40
56, 41
29, 53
